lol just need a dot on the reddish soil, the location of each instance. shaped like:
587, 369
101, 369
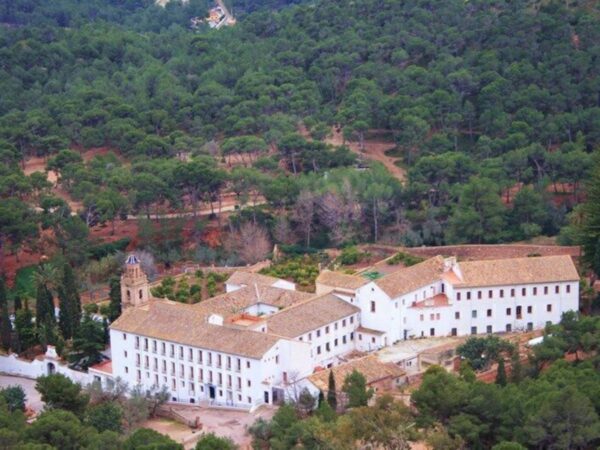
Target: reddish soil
375, 149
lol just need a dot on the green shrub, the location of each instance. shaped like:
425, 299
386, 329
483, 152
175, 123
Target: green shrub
352, 255
90, 308
404, 258
102, 250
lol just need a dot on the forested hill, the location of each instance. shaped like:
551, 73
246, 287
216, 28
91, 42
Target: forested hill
503, 90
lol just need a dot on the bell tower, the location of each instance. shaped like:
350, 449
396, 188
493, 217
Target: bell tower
134, 284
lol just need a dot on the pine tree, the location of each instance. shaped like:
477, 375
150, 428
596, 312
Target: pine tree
5, 325
590, 225
70, 303
331, 392
115, 298
501, 373
355, 387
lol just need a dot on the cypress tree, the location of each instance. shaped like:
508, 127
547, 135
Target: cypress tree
321, 398
44, 306
590, 225
70, 303
501, 373
331, 392
5, 325
17, 302
115, 298
24, 328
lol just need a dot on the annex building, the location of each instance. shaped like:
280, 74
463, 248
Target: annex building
262, 338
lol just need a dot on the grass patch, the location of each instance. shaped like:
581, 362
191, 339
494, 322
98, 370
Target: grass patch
24, 285
404, 258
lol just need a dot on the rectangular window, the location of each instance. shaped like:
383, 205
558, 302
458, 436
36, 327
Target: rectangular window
501, 293
479, 295
437, 316
318, 333
124, 336
549, 308
327, 329
488, 329
508, 327
535, 291
557, 289
431, 316
327, 347
469, 295
490, 294
568, 288
344, 322
343, 339
489, 313
512, 292
335, 342
545, 290
432, 332
458, 296
352, 319
200, 356
318, 350
508, 312
453, 332
473, 330
457, 315
372, 306
529, 309
524, 292
474, 314
422, 317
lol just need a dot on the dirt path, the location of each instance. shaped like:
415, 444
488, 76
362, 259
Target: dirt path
374, 149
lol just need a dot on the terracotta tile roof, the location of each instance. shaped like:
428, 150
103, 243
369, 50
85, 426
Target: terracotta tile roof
309, 315
412, 278
370, 331
105, 367
236, 302
499, 272
185, 324
340, 280
370, 367
436, 301
243, 278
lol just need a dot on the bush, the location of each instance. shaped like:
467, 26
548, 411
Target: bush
105, 417
102, 250
90, 308
15, 398
351, 255
105, 310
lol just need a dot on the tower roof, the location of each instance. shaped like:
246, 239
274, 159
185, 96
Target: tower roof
132, 259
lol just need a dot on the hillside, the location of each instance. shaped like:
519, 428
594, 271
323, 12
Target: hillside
490, 112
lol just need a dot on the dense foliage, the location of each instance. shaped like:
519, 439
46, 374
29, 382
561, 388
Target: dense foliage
485, 101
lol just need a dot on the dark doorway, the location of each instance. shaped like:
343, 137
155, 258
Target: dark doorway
211, 392
266, 396
51, 368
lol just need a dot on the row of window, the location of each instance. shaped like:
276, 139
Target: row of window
336, 342
534, 291
217, 377
192, 388
327, 329
202, 357
474, 330
474, 313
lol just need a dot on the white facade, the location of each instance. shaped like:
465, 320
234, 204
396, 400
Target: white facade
194, 375
442, 308
332, 341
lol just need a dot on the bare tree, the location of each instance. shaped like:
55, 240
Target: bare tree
253, 242
304, 213
282, 231
340, 213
